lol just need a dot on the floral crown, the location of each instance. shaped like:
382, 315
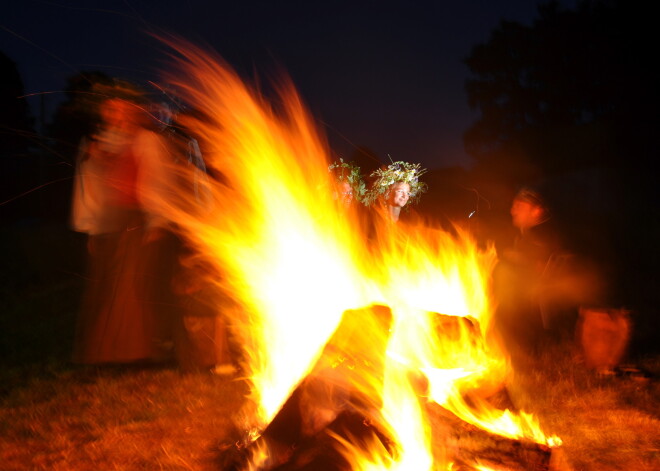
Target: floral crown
394, 173
350, 173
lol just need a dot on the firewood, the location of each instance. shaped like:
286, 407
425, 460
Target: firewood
467, 446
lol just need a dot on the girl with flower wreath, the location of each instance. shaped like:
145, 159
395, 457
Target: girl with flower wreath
395, 186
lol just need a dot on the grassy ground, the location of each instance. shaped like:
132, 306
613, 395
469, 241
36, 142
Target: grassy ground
55, 416
605, 422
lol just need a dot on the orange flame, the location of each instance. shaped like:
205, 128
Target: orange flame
296, 267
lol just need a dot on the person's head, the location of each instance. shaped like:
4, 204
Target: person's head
398, 194
345, 192
122, 104
528, 209
397, 184
116, 112
349, 185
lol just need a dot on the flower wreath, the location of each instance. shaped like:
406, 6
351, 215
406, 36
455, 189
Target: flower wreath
394, 173
349, 172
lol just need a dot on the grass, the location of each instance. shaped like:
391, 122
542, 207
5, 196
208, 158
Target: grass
605, 422
128, 420
56, 416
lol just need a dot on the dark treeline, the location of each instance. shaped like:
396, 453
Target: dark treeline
16, 133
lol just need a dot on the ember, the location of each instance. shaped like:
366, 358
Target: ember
343, 347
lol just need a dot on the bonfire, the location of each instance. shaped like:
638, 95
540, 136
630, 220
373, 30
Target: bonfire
358, 354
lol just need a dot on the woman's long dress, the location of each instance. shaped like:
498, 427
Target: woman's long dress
117, 323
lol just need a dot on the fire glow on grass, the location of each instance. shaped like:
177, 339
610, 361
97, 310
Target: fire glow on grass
293, 261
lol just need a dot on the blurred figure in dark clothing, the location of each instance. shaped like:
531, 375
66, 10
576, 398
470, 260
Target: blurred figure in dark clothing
540, 282
523, 269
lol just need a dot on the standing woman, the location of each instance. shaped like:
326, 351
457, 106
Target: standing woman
120, 169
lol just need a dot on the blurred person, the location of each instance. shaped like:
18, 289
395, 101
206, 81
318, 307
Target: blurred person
350, 186
350, 192
204, 342
121, 170
550, 291
524, 268
201, 332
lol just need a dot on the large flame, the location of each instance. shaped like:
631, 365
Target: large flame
295, 266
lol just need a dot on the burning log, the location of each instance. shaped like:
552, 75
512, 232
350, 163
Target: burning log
465, 445
317, 452
338, 400
468, 446
336, 403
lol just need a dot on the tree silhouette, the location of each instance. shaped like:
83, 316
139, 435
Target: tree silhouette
16, 132
570, 91
15, 119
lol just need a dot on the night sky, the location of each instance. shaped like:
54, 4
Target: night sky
388, 76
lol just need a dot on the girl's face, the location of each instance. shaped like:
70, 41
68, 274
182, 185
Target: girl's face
399, 194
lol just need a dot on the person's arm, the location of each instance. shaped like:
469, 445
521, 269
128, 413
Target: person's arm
155, 178
89, 190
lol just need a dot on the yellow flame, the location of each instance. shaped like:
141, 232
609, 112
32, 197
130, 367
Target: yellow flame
298, 270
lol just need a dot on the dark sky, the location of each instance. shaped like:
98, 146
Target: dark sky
388, 76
